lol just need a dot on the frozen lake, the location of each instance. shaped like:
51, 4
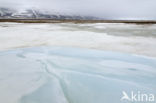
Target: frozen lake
77, 63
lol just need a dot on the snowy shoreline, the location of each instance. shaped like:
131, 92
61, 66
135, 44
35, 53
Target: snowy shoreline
128, 38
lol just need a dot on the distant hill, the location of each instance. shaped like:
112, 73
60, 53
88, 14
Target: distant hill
7, 13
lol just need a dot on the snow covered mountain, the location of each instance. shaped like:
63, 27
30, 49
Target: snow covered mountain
8, 13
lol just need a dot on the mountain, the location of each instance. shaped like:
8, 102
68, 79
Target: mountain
8, 13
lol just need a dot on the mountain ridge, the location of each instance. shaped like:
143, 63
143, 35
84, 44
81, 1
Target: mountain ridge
31, 13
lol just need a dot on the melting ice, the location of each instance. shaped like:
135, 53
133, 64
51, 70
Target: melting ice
73, 75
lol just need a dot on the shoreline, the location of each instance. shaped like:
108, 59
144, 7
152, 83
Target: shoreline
78, 21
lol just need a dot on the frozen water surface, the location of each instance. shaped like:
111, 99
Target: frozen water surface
76, 63
73, 75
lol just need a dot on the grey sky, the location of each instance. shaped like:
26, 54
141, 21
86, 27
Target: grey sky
116, 9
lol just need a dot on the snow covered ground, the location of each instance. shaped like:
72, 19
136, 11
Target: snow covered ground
129, 38
76, 63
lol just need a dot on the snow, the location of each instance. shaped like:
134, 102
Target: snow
136, 39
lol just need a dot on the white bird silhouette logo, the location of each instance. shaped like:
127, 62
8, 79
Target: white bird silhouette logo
125, 96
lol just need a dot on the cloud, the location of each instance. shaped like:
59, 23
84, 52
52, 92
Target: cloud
116, 9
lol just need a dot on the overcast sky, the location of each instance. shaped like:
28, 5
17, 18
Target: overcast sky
113, 9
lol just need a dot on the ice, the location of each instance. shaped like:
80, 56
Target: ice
76, 63
73, 75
